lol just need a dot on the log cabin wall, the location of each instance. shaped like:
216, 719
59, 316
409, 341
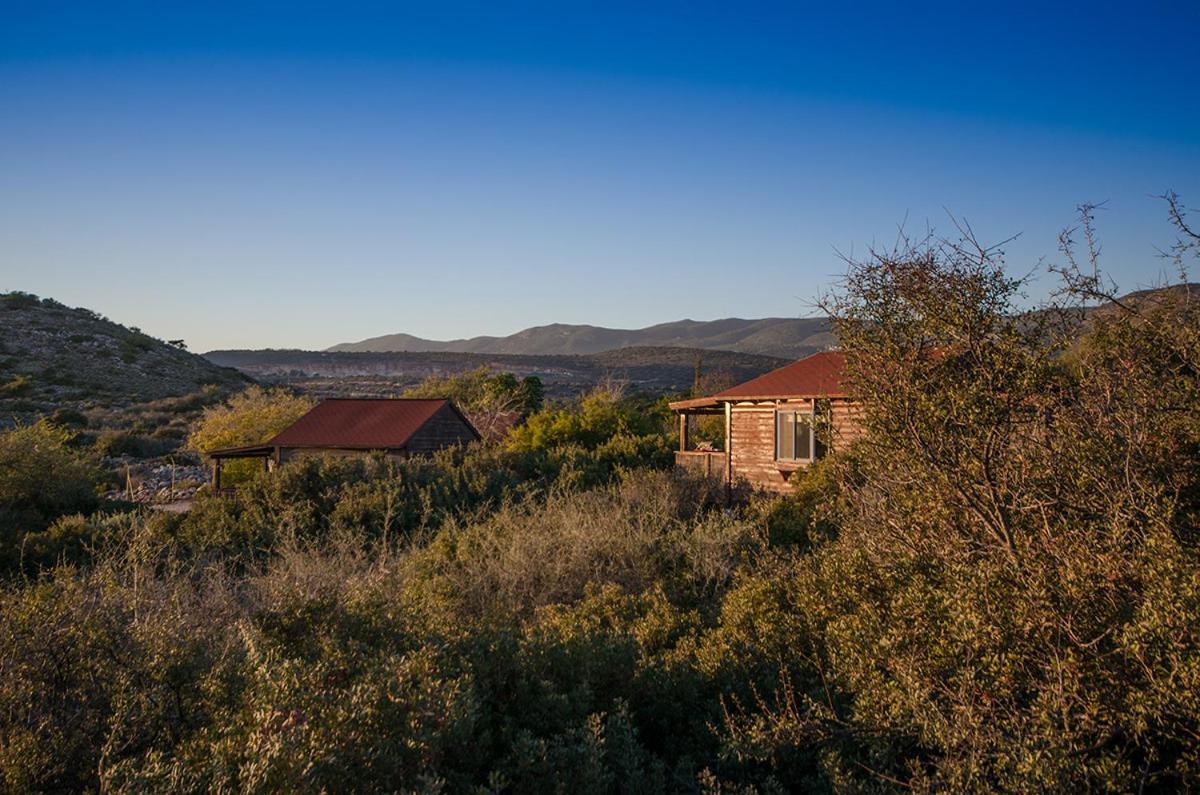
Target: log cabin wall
752, 453
752, 437
846, 418
444, 429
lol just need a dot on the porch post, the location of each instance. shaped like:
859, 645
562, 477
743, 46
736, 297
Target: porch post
728, 450
216, 474
683, 432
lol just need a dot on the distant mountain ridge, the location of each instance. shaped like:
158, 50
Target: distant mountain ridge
781, 337
788, 338
387, 373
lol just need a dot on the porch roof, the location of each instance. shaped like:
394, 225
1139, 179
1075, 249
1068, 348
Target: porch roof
249, 451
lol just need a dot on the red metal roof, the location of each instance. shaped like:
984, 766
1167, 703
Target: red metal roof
360, 424
819, 375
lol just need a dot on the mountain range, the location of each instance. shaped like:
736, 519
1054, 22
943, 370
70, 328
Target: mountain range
783, 337
789, 338
387, 373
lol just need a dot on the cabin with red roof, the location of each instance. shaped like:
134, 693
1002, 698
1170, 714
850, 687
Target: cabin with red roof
399, 427
775, 424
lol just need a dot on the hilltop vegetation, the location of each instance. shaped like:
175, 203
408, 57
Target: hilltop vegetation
121, 390
53, 356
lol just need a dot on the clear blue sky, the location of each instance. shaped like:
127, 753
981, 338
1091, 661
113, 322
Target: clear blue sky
296, 175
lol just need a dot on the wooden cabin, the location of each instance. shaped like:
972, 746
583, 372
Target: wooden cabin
399, 427
775, 424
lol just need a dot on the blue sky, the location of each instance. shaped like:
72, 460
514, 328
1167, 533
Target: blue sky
296, 175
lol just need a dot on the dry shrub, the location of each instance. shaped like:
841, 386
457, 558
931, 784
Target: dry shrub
632, 534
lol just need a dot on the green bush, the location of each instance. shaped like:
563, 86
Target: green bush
123, 443
250, 417
68, 418
18, 300
42, 477
133, 344
597, 417
491, 401
803, 517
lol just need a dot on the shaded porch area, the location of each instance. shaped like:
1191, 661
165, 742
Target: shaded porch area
218, 458
702, 458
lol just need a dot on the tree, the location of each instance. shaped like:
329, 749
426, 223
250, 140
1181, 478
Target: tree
1012, 600
492, 401
249, 417
597, 417
42, 477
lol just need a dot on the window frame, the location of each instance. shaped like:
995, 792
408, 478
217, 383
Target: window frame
809, 419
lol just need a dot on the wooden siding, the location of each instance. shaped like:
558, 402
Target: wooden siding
444, 429
752, 447
752, 440
846, 418
709, 463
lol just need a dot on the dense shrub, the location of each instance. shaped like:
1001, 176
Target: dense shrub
1012, 600
528, 556
42, 477
249, 417
68, 418
16, 386
492, 401
17, 300
123, 443
597, 417
333, 665
390, 500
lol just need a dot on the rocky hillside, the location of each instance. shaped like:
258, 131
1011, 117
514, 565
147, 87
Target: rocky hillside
789, 338
54, 357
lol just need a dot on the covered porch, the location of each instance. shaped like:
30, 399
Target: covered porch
268, 455
698, 457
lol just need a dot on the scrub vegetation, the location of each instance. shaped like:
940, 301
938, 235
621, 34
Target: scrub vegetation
996, 588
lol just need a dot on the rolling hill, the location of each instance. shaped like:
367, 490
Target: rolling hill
350, 373
788, 338
53, 356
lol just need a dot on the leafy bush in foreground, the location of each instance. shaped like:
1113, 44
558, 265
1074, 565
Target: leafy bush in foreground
1012, 600
42, 477
330, 666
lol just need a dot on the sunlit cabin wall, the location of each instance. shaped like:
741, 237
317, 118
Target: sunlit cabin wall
752, 437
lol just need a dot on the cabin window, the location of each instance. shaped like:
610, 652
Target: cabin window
796, 437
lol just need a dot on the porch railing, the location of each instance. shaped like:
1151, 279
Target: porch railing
711, 464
